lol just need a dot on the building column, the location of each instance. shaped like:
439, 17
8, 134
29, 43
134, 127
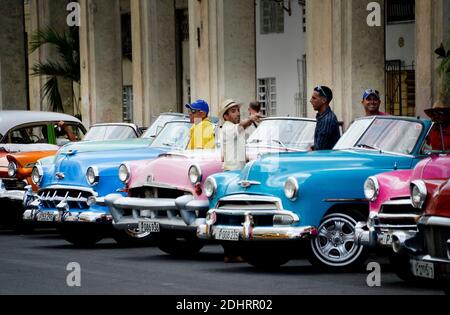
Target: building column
47, 14
345, 53
101, 61
222, 50
154, 59
13, 84
432, 29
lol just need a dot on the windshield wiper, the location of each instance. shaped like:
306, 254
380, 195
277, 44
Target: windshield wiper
255, 141
280, 143
367, 146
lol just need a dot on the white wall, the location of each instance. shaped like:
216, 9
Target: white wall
277, 56
393, 51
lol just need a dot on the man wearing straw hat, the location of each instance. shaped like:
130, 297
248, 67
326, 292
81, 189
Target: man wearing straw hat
233, 135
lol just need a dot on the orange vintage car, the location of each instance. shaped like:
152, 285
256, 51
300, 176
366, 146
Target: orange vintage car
19, 169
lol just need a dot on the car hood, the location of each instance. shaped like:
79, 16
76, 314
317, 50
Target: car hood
74, 166
271, 171
95, 146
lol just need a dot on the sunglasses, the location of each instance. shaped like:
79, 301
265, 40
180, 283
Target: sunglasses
371, 91
194, 111
319, 90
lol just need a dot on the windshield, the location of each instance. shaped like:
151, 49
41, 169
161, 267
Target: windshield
158, 125
110, 132
353, 134
391, 135
174, 135
284, 133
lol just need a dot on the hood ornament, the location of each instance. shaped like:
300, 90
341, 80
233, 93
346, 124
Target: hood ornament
60, 176
248, 183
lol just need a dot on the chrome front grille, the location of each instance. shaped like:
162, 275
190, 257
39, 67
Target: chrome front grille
262, 209
436, 240
76, 199
238, 220
398, 214
14, 184
156, 192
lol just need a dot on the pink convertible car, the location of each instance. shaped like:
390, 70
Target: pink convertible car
167, 195
393, 215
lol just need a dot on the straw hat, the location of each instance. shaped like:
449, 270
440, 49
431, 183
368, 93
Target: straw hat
226, 106
440, 112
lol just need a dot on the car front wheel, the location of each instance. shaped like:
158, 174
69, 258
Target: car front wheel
180, 247
133, 237
334, 248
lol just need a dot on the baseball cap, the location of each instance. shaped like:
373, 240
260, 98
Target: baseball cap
370, 92
199, 105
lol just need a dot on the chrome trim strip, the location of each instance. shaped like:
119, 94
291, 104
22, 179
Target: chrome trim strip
61, 187
247, 197
398, 216
16, 195
398, 202
434, 220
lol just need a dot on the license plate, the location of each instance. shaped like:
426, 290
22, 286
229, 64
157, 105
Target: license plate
227, 235
422, 269
45, 217
386, 239
152, 227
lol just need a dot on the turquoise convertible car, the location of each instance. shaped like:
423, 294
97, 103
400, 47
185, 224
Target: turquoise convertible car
72, 187
285, 205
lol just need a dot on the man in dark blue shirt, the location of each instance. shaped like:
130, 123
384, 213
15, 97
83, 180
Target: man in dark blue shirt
327, 131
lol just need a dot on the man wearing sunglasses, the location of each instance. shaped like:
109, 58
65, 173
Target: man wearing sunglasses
202, 132
371, 102
327, 131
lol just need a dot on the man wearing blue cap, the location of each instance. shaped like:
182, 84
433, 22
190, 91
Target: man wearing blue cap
371, 102
202, 132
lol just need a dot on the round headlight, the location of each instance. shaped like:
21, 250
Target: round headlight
291, 188
210, 187
418, 194
12, 169
124, 173
371, 189
36, 174
92, 175
195, 174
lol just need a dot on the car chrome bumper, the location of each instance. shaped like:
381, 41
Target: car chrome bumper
15, 195
142, 211
36, 215
248, 232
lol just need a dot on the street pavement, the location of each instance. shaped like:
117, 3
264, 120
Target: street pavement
37, 264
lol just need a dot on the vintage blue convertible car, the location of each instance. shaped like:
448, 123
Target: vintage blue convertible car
278, 200
70, 186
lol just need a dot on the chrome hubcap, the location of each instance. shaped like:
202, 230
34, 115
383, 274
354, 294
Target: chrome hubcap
335, 242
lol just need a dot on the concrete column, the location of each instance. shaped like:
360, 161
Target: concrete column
432, 27
154, 59
13, 86
45, 14
222, 50
344, 53
101, 61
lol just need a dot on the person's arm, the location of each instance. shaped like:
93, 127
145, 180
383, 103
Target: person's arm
68, 130
253, 119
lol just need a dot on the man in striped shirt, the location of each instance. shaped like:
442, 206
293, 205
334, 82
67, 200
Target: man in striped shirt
327, 131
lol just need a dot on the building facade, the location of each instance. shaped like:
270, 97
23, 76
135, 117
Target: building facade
139, 58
